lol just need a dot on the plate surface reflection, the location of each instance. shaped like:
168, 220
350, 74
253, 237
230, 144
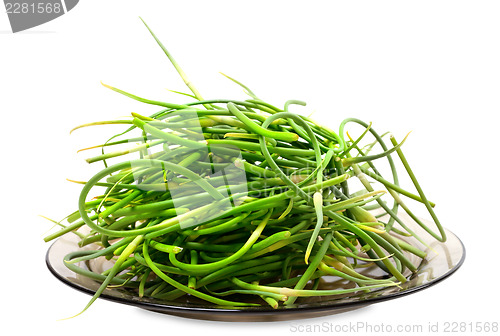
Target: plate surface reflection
443, 259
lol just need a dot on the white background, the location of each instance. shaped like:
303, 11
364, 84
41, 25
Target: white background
431, 67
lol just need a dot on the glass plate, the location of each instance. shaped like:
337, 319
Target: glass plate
443, 259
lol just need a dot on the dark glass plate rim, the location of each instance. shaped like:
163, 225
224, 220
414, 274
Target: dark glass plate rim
208, 310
